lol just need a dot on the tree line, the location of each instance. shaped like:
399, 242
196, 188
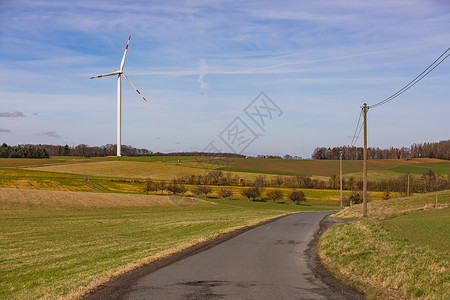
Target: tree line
105, 150
428, 182
19, 151
253, 192
439, 150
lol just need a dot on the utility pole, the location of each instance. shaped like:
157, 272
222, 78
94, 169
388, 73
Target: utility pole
365, 108
407, 191
340, 178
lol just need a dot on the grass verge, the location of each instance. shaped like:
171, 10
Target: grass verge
378, 257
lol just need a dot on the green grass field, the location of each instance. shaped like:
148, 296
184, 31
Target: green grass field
425, 228
400, 252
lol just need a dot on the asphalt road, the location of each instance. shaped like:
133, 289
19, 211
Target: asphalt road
267, 262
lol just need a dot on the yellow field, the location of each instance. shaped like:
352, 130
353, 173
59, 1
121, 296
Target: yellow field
51, 200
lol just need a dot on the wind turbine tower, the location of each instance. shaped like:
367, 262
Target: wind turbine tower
119, 95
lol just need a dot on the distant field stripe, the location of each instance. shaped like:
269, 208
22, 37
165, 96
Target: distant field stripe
439, 168
261, 171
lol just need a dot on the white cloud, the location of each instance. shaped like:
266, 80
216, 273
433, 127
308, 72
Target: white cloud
203, 70
51, 134
16, 114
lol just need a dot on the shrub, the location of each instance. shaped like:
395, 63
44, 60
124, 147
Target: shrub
176, 188
225, 193
275, 195
161, 186
297, 197
150, 186
356, 197
251, 193
200, 190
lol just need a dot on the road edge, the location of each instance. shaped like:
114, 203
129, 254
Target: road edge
322, 273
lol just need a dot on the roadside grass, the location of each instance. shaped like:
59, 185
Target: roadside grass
399, 252
56, 244
367, 257
389, 208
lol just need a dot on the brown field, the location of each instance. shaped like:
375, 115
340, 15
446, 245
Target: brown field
320, 167
132, 169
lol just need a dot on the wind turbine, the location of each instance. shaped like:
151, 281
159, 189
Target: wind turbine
119, 95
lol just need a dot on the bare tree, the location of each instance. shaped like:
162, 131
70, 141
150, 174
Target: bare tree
275, 195
251, 193
225, 193
297, 197
150, 186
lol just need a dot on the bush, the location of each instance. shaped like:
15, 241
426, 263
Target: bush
356, 197
297, 197
200, 190
176, 188
251, 193
275, 195
225, 193
160, 186
150, 186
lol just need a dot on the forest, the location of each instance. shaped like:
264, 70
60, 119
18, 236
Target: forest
439, 150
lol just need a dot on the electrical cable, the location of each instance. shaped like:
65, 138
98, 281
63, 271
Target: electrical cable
356, 129
359, 132
419, 77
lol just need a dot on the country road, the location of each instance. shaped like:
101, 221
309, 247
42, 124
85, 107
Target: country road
268, 262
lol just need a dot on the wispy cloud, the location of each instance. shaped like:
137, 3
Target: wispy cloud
51, 134
4, 130
16, 114
203, 70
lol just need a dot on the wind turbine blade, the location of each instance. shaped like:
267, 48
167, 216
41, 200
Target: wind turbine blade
109, 74
124, 54
126, 78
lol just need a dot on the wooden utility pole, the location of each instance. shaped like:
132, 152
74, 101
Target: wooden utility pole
365, 108
340, 178
407, 191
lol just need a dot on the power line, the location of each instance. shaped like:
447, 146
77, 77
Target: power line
419, 77
356, 129
359, 132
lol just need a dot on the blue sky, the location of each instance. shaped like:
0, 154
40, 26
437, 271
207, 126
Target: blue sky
201, 63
